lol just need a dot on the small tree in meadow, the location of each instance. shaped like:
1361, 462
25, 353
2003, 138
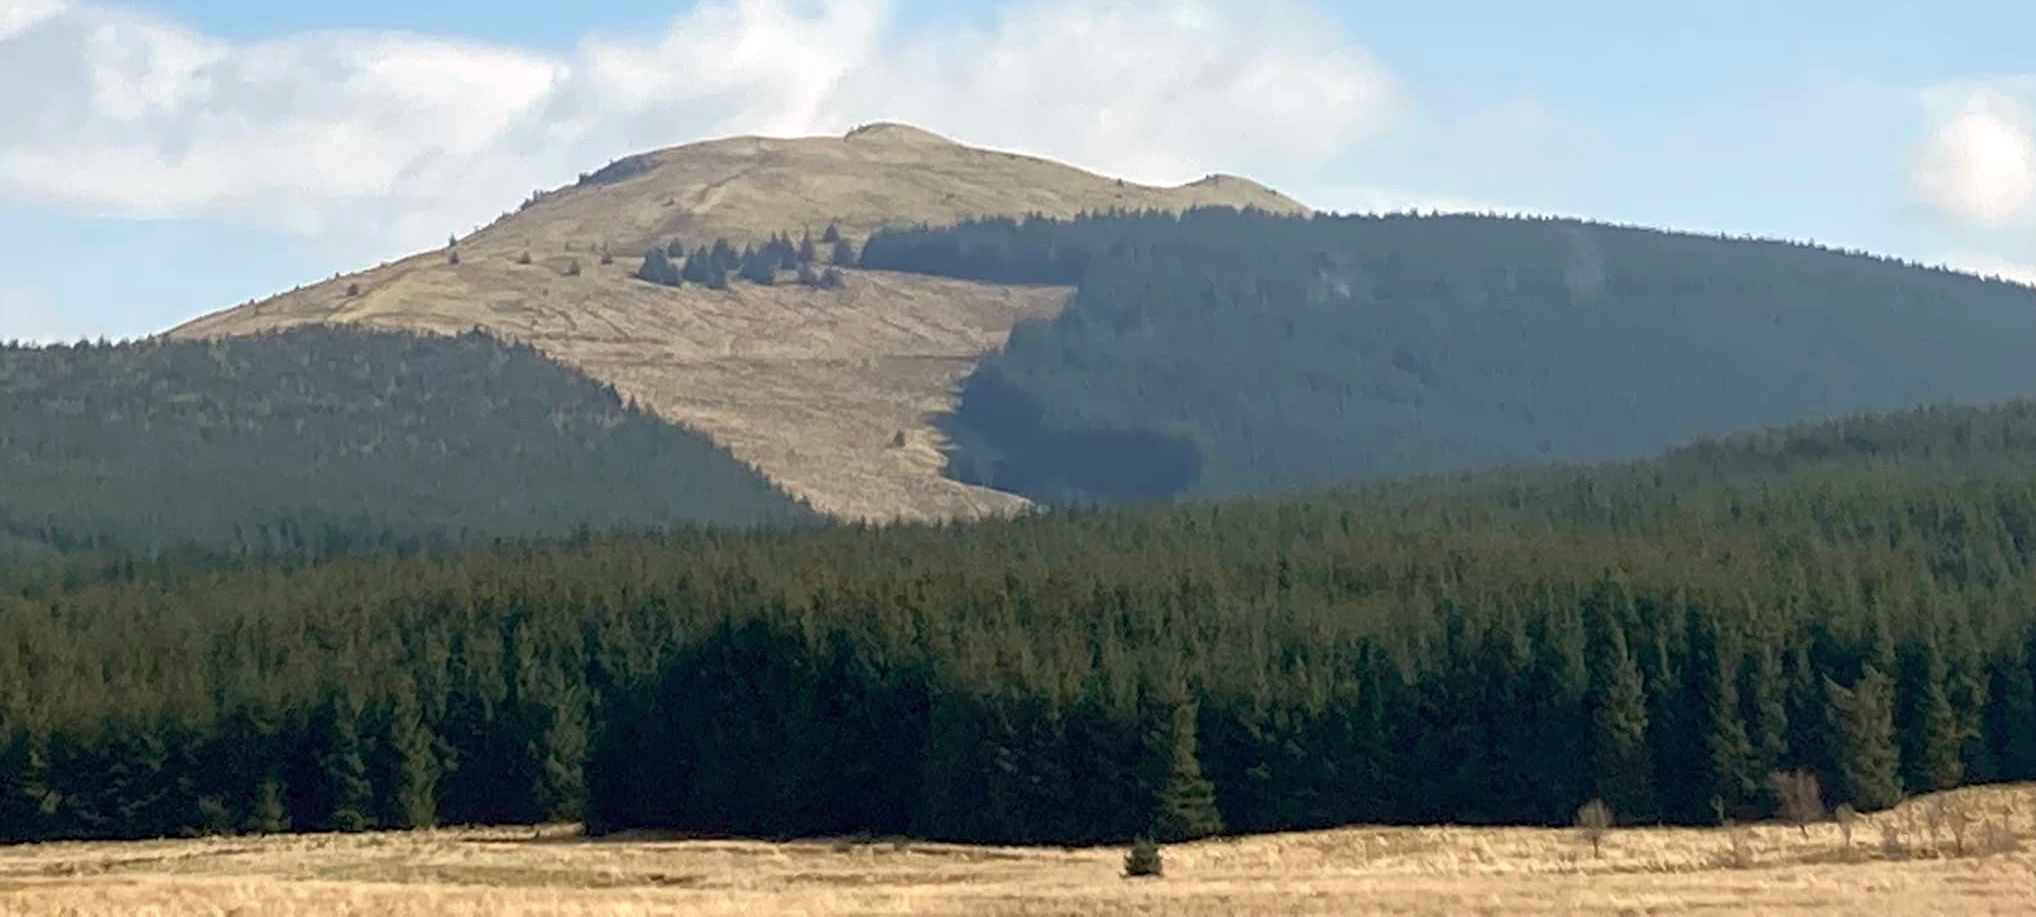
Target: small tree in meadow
1798, 797
1144, 860
1594, 821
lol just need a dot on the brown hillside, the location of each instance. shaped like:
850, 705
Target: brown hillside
814, 387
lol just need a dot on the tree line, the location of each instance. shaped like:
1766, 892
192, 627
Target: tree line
1854, 601
711, 266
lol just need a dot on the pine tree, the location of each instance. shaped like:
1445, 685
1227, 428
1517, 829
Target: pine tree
1966, 683
414, 762
760, 268
832, 235
1763, 704
129, 795
699, 267
551, 718
348, 796
1620, 758
843, 254
658, 268
2012, 714
1927, 730
808, 252
1183, 800
25, 796
269, 811
1807, 705
1144, 860
1728, 778
1868, 759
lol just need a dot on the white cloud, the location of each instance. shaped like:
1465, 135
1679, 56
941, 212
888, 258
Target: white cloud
374, 143
1979, 162
18, 15
1156, 92
25, 316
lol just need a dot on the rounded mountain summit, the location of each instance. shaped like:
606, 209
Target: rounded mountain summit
831, 391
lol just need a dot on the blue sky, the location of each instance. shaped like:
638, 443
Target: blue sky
182, 156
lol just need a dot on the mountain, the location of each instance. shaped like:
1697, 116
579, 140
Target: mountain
830, 392
321, 441
1223, 353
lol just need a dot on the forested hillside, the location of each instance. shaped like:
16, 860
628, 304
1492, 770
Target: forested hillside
1855, 600
319, 441
1224, 352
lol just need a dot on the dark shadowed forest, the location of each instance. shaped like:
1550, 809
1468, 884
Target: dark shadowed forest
327, 441
1221, 353
1853, 599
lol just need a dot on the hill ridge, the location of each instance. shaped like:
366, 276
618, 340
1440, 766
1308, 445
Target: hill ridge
832, 393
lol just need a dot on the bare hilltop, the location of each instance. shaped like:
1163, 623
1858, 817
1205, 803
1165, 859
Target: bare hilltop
832, 393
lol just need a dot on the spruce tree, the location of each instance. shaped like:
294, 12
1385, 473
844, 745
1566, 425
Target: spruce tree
760, 268
1807, 705
1728, 779
832, 235
1183, 800
808, 252
1926, 729
843, 254
658, 268
2012, 714
1623, 767
1763, 704
1868, 758
1966, 683
269, 810
414, 761
699, 267
25, 797
349, 796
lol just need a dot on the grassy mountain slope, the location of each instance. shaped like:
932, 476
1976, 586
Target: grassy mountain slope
1227, 353
811, 386
321, 440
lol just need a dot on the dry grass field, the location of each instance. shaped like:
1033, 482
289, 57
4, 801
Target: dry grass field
1767, 869
810, 386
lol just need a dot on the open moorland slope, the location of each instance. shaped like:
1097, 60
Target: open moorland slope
830, 392
1769, 869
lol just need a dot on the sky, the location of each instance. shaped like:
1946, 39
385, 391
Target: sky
162, 160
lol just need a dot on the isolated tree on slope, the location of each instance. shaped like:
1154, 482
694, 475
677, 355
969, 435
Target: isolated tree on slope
658, 268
